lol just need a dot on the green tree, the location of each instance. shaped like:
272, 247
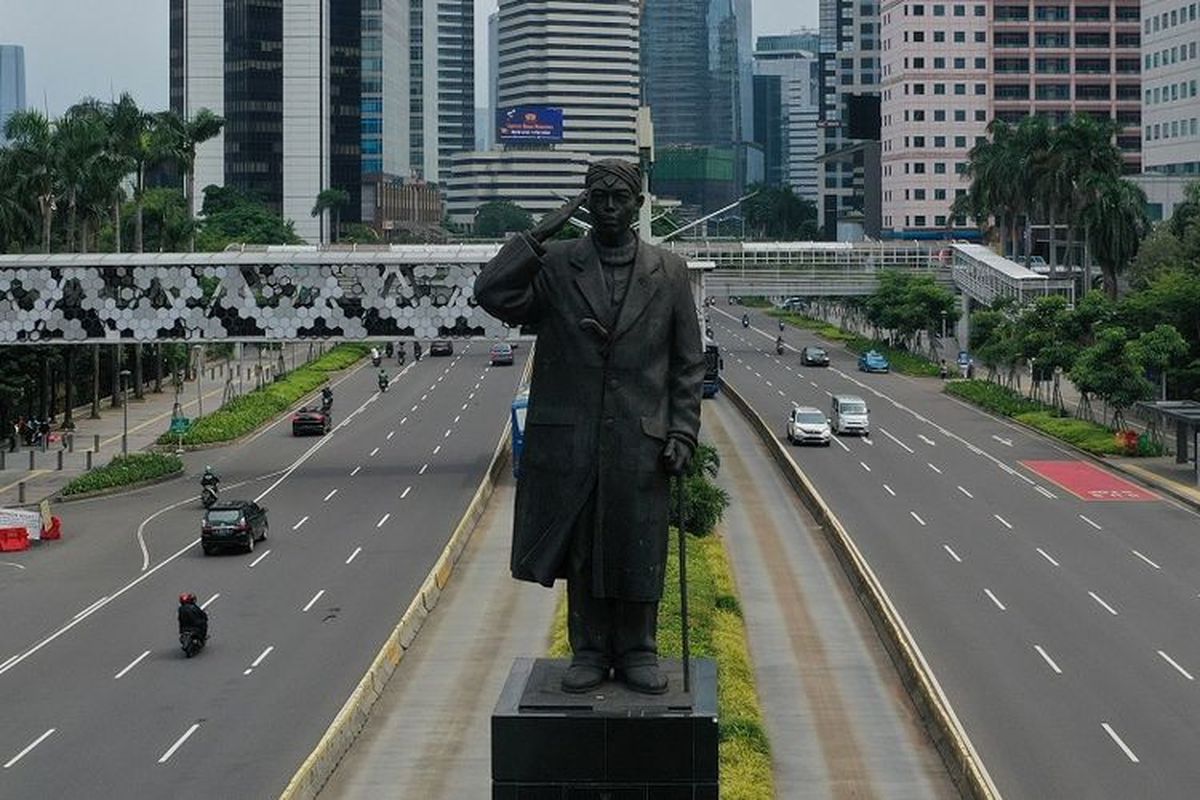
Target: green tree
358, 233
907, 304
1108, 370
232, 217
35, 160
176, 139
1083, 147
777, 213
1116, 221
498, 217
332, 200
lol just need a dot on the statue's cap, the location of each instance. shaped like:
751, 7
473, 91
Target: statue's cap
626, 171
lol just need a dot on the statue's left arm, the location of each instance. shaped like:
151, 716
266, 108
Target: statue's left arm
687, 363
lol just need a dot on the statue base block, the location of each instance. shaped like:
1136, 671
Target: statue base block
608, 743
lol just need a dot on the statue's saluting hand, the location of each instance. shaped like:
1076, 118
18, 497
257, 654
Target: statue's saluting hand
553, 222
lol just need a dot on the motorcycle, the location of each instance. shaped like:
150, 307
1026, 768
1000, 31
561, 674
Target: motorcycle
779, 348
208, 496
191, 642
383, 384
745, 320
376, 361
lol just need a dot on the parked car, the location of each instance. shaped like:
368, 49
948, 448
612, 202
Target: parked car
441, 347
848, 413
501, 354
807, 424
814, 357
871, 361
309, 421
233, 523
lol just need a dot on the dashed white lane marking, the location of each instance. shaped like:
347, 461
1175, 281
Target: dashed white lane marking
165, 757
331, 494
28, 748
935, 469
354, 471
953, 554
1175, 664
995, 599
404, 494
137, 661
354, 555
446, 435
1046, 657
471, 396
313, 602
1089, 522
770, 384
374, 452
1003, 521
888, 489
403, 420
864, 466
814, 384
303, 520
1048, 557
464, 407
411, 410
828, 393
424, 397
1143, 558
209, 601
254, 664
964, 491
1044, 492
841, 444
390, 435
457, 418
1100, 600
437, 449
780, 392
383, 520
917, 518
256, 561
897, 441
926, 440
1120, 742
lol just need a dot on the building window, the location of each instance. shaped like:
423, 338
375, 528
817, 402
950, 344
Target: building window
939, 168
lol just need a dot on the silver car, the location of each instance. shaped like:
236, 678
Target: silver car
807, 425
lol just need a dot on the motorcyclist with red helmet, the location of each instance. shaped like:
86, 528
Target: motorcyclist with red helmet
191, 616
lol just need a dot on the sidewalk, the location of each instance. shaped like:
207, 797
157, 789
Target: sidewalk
100, 439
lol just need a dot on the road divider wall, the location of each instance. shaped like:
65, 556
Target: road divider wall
354, 714
965, 766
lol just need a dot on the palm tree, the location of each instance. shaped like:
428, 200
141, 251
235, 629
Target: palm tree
79, 145
1115, 218
31, 142
177, 139
1086, 148
332, 200
134, 140
14, 209
993, 168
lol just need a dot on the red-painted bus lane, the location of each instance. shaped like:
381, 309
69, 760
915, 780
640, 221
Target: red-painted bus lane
1089, 482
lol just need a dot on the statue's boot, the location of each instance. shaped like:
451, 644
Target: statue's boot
581, 678
645, 679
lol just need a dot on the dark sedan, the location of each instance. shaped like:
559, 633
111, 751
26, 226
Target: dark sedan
441, 347
814, 357
233, 523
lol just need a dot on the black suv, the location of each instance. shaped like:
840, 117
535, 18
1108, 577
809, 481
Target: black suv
814, 357
237, 523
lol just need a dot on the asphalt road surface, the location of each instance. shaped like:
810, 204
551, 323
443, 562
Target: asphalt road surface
1054, 601
98, 701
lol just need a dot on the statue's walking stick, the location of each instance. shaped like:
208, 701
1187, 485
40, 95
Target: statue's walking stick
683, 595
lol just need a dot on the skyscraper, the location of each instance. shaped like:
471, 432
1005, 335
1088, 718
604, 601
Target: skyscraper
787, 81
12, 82
285, 76
1170, 98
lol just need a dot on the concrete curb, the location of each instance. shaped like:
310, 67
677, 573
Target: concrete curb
965, 766
313, 774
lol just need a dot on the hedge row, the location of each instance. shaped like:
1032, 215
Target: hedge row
901, 361
718, 632
123, 471
244, 414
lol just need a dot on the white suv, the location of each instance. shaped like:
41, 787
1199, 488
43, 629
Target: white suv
807, 424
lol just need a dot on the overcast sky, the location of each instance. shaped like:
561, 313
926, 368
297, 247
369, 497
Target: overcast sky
100, 48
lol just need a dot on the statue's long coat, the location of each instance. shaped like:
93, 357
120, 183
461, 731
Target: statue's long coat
599, 413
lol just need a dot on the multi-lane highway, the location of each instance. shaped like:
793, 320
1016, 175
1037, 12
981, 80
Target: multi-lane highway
98, 700
1054, 601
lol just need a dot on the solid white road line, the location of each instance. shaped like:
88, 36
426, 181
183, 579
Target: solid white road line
374, 452
935, 469
1048, 659
423, 468
165, 757
12, 761
888, 489
331, 494
254, 563
1143, 558
354, 471
1089, 522
897, 441
92, 607
964, 491
209, 601
312, 602
303, 520
1100, 600
841, 444
864, 466
382, 520
354, 555
953, 554
1120, 743
1048, 557
1002, 521
926, 440
404, 494
1174, 664
917, 518
995, 599
1046, 492
138, 660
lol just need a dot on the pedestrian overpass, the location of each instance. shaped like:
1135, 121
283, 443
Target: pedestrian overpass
274, 293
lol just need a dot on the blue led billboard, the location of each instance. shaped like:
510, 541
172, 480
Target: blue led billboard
529, 124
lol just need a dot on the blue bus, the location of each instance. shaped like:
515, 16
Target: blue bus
713, 364
520, 405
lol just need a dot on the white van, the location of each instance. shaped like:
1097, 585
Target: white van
848, 414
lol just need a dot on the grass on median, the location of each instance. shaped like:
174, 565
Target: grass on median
901, 361
244, 414
124, 471
717, 632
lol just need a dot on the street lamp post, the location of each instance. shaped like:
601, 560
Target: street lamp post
943, 323
125, 410
199, 349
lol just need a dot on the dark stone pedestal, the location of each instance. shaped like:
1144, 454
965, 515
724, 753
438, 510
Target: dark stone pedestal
609, 744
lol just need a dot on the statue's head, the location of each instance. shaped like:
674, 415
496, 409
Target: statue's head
614, 195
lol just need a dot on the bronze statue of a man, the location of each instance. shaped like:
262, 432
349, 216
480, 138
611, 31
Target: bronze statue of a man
614, 411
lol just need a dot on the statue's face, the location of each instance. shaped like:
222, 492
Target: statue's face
613, 205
